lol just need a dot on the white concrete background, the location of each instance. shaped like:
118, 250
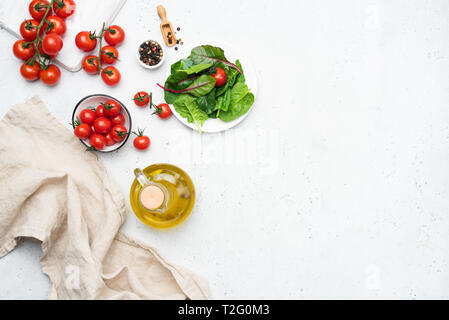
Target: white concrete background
347, 192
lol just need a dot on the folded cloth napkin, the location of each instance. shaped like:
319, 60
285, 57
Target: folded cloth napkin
55, 192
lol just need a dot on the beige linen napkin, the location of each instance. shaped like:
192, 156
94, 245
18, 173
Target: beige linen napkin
55, 192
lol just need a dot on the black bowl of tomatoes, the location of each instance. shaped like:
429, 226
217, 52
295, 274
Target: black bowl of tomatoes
102, 123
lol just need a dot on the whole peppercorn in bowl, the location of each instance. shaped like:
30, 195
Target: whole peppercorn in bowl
150, 54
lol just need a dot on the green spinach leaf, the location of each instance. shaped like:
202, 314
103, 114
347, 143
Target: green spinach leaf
188, 108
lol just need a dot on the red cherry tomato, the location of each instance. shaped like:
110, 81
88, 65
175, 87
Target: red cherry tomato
28, 29
119, 133
220, 77
109, 55
118, 120
64, 8
44, 54
109, 140
37, 9
56, 25
52, 44
30, 72
100, 111
86, 41
90, 64
51, 75
114, 35
141, 142
163, 111
23, 50
111, 76
142, 99
111, 108
88, 116
102, 125
97, 141
83, 131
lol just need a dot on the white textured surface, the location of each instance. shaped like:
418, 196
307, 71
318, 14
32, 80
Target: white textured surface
356, 96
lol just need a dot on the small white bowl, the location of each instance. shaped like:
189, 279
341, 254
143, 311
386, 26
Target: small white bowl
144, 64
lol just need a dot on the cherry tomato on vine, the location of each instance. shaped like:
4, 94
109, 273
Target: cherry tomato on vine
111, 76
119, 133
30, 71
51, 75
114, 35
220, 77
109, 55
55, 25
163, 111
64, 8
100, 111
83, 131
52, 44
109, 140
102, 125
118, 120
111, 108
28, 29
142, 99
141, 142
88, 116
90, 64
97, 141
37, 9
41, 51
23, 50
86, 41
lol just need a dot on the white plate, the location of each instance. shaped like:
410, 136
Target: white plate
232, 54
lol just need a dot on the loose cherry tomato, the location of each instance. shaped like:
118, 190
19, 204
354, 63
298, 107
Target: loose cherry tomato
90, 64
64, 8
28, 29
52, 44
51, 75
102, 125
109, 140
83, 131
100, 111
38, 8
86, 41
55, 25
118, 120
97, 141
141, 142
30, 71
142, 99
119, 133
88, 116
114, 35
111, 76
163, 111
109, 55
220, 77
23, 50
111, 108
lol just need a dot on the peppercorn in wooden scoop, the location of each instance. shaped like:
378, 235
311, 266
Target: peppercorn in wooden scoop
166, 27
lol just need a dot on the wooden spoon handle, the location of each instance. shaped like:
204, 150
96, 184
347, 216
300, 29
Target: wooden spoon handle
162, 13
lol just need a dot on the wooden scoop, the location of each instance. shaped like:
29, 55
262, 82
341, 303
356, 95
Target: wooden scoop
166, 27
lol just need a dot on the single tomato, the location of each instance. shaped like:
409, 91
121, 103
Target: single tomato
119, 133
118, 120
64, 8
56, 25
86, 41
83, 131
220, 77
163, 111
111, 76
102, 125
109, 55
111, 108
97, 141
90, 64
100, 111
52, 44
28, 29
30, 71
142, 99
114, 35
37, 9
88, 116
23, 50
109, 140
51, 75
141, 142
47, 56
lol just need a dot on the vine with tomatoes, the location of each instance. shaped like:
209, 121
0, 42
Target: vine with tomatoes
42, 39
